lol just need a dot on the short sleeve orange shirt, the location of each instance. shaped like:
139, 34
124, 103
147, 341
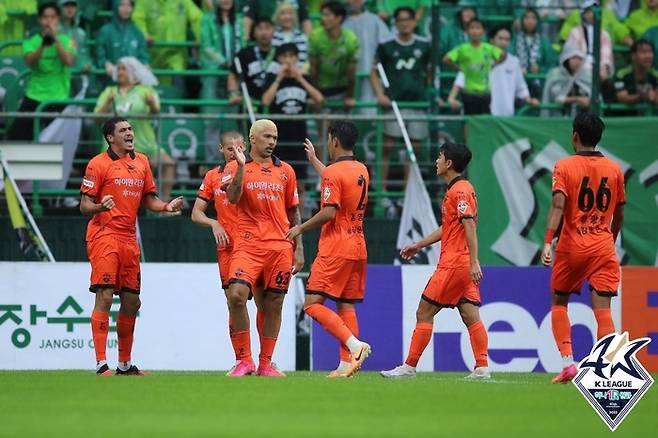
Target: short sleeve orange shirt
211, 191
268, 191
459, 203
344, 186
593, 186
128, 180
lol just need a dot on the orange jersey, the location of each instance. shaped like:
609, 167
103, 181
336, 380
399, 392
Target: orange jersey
345, 186
268, 191
593, 186
128, 180
227, 213
459, 203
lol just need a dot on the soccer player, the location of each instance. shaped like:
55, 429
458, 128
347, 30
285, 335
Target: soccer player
223, 228
115, 184
456, 281
589, 198
339, 270
265, 191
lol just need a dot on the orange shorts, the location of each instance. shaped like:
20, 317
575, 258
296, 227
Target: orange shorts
257, 266
338, 278
448, 287
114, 264
571, 270
224, 264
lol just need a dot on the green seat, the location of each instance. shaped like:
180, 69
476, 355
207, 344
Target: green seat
10, 68
184, 140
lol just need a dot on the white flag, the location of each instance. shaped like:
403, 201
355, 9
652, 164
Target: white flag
417, 220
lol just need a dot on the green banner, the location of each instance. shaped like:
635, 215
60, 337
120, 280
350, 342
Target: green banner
513, 159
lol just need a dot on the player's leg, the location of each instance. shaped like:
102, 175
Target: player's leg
259, 300
602, 313
470, 314
241, 340
100, 322
130, 305
419, 340
604, 282
567, 277
104, 259
343, 281
346, 312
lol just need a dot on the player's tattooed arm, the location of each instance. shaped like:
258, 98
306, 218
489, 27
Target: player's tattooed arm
554, 218
295, 217
617, 220
472, 244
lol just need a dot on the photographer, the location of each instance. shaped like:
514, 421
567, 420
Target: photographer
49, 57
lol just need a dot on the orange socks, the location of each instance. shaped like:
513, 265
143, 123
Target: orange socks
100, 322
562, 330
266, 351
419, 340
330, 321
349, 318
242, 345
479, 343
125, 330
604, 322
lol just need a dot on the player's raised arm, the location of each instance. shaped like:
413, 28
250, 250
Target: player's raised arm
554, 217
234, 188
89, 207
312, 157
409, 251
472, 243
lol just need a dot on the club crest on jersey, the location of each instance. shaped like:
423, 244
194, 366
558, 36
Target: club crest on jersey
326, 193
611, 378
283, 176
462, 206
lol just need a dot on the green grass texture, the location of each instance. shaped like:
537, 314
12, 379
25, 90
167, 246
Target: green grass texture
305, 404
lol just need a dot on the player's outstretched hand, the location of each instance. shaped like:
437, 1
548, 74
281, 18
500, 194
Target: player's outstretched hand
476, 272
299, 260
239, 155
293, 232
175, 204
221, 238
547, 255
107, 202
310, 150
409, 251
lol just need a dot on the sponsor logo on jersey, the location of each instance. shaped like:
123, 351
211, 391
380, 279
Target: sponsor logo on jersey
462, 206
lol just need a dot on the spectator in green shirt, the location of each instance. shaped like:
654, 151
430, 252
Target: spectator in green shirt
651, 35
120, 37
168, 21
638, 83
49, 56
386, 10
70, 25
643, 18
475, 59
333, 52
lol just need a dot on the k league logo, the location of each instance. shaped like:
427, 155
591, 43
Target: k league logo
612, 379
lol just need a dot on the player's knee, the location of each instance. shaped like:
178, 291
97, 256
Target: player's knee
130, 303
274, 301
236, 298
103, 300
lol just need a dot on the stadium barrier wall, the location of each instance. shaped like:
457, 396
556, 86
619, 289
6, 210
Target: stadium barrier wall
45, 310
515, 310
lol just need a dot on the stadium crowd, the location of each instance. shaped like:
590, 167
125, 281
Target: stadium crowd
298, 56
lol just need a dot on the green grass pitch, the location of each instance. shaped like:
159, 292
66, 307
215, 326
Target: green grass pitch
77, 403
